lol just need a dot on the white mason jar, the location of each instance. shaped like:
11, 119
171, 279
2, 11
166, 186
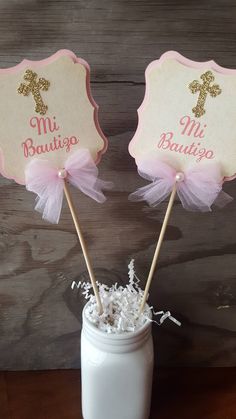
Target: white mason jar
116, 373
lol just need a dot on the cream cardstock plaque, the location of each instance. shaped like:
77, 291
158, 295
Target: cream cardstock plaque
188, 115
47, 111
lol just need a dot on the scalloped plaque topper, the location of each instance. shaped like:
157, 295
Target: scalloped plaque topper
47, 112
188, 115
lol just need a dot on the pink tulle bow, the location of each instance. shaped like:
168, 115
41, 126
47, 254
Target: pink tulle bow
198, 187
47, 182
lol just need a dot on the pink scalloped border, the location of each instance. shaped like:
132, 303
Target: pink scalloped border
63, 52
189, 63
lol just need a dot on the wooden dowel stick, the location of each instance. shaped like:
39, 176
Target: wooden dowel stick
158, 248
83, 246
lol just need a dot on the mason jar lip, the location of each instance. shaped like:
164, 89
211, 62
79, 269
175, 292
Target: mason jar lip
114, 336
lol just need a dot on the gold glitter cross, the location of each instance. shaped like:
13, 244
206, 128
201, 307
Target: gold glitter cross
34, 87
203, 90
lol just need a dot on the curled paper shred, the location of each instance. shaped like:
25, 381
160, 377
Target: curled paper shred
47, 182
121, 306
164, 316
198, 187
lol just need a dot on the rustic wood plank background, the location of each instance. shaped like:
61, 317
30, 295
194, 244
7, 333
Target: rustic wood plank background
40, 316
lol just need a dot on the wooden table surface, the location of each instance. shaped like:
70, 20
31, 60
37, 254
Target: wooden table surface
181, 393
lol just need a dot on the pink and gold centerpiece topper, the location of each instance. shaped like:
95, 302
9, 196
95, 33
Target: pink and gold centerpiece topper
50, 136
47, 112
188, 114
185, 143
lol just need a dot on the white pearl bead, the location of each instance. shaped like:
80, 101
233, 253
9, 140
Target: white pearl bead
179, 177
62, 173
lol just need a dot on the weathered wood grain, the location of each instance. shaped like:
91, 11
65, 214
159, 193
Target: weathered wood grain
40, 316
